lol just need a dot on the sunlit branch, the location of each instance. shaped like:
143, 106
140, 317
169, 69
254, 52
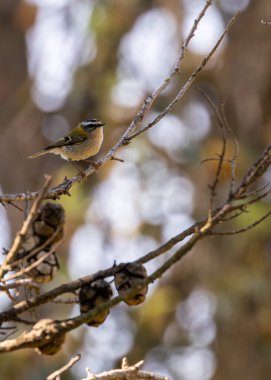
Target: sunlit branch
56, 375
19, 283
126, 372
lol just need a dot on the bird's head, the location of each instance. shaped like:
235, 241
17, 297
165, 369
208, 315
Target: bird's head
91, 124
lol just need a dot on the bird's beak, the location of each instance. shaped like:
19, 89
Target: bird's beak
101, 124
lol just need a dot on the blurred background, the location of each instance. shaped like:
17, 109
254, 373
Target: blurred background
67, 60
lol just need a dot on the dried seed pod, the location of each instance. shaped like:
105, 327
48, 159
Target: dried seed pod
42, 229
52, 214
46, 270
53, 346
50, 219
126, 279
93, 295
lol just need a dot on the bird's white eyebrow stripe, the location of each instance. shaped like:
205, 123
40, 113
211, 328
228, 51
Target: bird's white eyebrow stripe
92, 122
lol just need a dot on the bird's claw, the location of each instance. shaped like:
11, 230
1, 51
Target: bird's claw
126, 141
95, 164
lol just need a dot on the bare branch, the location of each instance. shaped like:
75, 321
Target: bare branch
254, 173
244, 229
35, 263
127, 373
34, 252
221, 156
70, 364
17, 284
189, 81
21, 234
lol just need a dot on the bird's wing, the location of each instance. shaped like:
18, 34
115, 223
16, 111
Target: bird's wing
67, 141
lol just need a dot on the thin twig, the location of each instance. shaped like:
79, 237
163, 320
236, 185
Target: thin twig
244, 229
34, 251
221, 156
235, 154
127, 372
255, 172
67, 366
256, 192
17, 284
21, 234
35, 263
175, 71
14, 205
188, 83
67, 301
170, 243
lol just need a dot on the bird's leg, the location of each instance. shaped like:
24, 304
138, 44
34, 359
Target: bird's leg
93, 163
81, 172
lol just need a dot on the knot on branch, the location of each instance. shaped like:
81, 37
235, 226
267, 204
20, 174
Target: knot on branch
49, 336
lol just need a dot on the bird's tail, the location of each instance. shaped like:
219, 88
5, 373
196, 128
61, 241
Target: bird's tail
38, 154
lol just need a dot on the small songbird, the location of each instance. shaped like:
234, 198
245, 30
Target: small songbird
82, 142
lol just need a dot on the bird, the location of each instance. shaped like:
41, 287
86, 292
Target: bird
80, 143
